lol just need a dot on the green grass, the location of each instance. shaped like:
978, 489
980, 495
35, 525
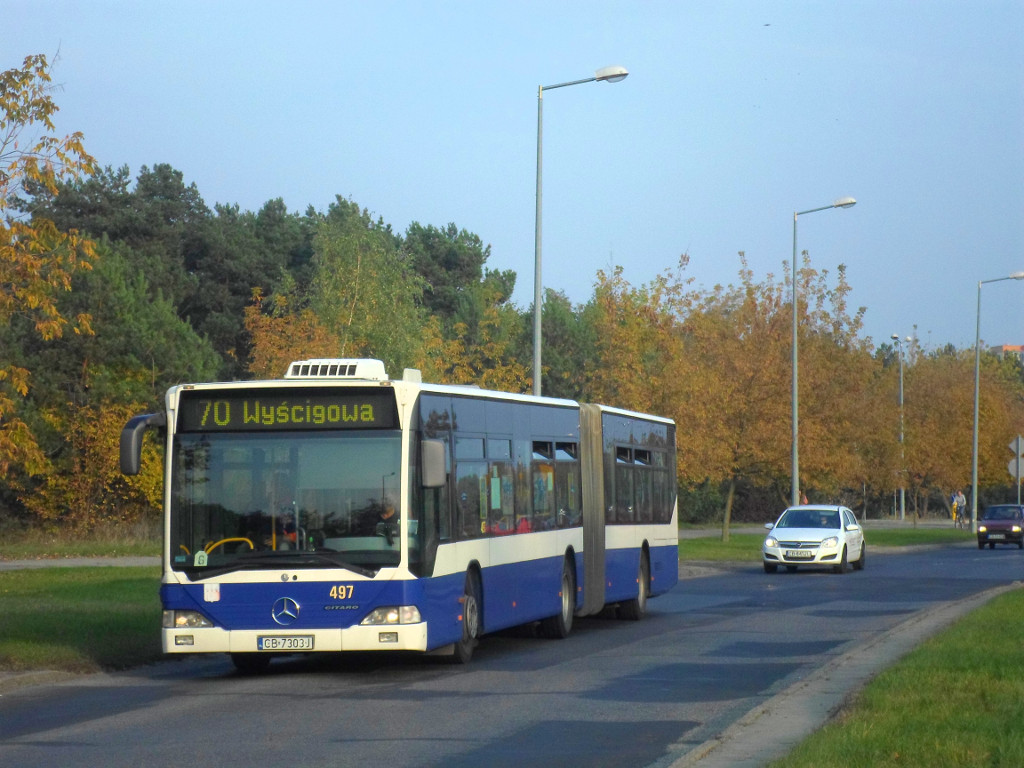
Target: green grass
958, 700
37, 545
79, 619
741, 547
746, 547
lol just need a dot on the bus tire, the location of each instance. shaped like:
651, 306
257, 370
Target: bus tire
471, 624
560, 625
634, 610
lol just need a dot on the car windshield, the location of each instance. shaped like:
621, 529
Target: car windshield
1002, 513
809, 518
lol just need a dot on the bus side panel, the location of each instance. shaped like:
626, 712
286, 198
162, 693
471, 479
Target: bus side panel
621, 566
521, 577
442, 608
664, 568
623, 561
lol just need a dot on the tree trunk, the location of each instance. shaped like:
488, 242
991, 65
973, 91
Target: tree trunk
727, 518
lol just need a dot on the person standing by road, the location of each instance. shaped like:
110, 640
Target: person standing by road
961, 505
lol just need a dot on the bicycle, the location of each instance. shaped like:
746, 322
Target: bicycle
962, 519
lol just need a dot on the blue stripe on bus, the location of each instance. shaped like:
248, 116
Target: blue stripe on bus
513, 594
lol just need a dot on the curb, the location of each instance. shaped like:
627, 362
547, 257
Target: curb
12, 681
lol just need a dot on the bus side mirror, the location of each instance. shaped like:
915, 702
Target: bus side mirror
432, 454
131, 439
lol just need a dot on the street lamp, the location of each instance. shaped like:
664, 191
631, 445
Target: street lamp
903, 469
977, 378
845, 202
603, 75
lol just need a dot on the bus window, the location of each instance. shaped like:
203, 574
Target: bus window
542, 478
567, 485
501, 497
644, 495
543, 496
661, 479
471, 494
500, 449
624, 475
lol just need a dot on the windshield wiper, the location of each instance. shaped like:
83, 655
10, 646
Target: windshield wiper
292, 558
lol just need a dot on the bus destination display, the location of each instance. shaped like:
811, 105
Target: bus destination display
273, 410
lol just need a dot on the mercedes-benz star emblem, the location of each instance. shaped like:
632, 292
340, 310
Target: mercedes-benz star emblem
285, 611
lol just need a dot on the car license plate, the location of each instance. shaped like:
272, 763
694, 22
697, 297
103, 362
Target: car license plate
800, 554
999, 536
284, 643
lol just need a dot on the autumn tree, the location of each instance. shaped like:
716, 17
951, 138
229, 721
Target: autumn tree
489, 362
738, 392
37, 259
281, 332
638, 351
836, 372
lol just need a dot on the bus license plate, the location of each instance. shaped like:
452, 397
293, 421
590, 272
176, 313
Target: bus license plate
284, 643
799, 554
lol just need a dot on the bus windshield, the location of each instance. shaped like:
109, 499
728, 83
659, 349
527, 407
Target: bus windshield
311, 499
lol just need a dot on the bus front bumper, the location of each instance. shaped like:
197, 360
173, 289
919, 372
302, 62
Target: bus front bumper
403, 637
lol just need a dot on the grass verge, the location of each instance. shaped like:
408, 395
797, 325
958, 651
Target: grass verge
40, 545
957, 700
79, 619
746, 547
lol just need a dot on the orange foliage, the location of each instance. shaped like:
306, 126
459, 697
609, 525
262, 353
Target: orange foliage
282, 337
37, 261
86, 487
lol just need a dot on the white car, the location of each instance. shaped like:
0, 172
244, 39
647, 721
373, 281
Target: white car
815, 535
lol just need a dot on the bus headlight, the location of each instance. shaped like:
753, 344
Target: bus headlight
185, 620
393, 614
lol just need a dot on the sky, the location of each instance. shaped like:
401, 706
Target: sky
735, 115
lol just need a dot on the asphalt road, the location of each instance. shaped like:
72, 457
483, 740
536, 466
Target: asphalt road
731, 668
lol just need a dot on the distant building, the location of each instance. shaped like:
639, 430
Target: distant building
1009, 350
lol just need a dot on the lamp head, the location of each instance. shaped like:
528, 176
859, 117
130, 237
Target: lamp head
1017, 275
611, 74
895, 337
844, 202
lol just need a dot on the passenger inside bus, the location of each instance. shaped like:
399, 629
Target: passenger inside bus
387, 523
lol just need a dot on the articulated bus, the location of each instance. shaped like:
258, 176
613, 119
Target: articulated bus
339, 510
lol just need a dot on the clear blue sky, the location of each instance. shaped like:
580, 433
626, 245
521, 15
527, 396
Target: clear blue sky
734, 115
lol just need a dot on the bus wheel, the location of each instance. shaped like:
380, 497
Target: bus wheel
251, 663
560, 625
635, 609
470, 620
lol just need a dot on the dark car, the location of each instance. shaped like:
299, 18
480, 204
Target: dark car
1001, 524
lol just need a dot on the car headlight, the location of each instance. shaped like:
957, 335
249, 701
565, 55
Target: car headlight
830, 542
771, 541
185, 620
982, 529
393, 614
1016, 529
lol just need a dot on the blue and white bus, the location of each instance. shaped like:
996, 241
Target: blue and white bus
339, 510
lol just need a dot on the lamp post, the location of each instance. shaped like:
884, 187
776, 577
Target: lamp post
845, 202
977, 380
903, 469
603, 75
